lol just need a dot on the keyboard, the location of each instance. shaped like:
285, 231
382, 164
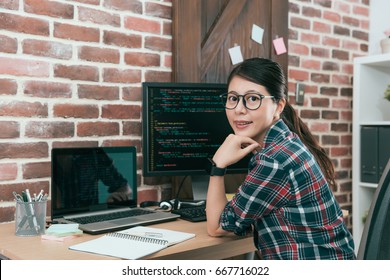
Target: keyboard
109, 216
192, 214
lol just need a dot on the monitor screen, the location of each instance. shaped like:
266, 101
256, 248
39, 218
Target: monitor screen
183, 125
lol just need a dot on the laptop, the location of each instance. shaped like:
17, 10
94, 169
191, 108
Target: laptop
93, 182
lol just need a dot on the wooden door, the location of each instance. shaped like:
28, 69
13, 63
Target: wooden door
204, 31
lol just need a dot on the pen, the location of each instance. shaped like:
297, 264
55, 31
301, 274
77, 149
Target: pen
39, 196
17, 196
34, 219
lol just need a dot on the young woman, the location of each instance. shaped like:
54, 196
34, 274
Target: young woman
286, 200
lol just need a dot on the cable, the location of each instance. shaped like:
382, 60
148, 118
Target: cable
176, 203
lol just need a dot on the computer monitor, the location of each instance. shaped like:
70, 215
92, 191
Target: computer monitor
375, 241
183, 125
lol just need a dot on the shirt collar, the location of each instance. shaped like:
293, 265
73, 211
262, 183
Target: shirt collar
278, 131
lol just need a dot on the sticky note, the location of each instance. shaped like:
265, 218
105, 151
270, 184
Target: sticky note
257, 34
236, 55
279, 46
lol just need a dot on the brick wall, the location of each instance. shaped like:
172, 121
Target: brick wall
71, 73
324, 38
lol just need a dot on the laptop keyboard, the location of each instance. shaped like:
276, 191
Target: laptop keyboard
110, 216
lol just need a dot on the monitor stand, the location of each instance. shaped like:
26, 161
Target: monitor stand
200, 185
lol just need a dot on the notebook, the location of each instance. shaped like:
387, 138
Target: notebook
133, 243
92, 182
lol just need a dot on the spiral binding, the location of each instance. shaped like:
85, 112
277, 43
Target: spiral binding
138, 238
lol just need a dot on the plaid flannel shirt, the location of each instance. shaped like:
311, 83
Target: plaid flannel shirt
287, 203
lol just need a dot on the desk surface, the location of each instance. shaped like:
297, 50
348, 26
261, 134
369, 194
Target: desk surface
202, 247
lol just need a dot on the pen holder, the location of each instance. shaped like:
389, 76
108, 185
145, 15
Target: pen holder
30, 218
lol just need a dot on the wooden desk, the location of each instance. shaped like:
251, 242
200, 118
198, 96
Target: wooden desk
202, 247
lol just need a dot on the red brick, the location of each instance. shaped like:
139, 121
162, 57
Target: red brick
158, 76
49, 129
310, 38
299, 49
158, 10
320, 52
133, 128
340, 79
9, 129
147, 195
158, 43
23, 67
320, 78
49, 8
77, 72
99, 17
321, 27
24, 150
300, 23
34, 170
97, 129
8, 171
133, 6
76, 111
310, 114
300, 75
320, 102
99, 54
142, 59
8, 87
311, 64
47, 89
23, 109
114, 75
47, 49
332, 16
330, 115
132, 93
339, 151
90, 2
8, 44
142, 25
121, 111
23, 24
331, 41
122, 40
10, 4
319, 127
76, 32
98, 92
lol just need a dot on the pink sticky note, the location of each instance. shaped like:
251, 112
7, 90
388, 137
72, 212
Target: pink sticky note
279, 46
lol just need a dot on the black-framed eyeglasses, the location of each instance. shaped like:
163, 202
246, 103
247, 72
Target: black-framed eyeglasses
252, 100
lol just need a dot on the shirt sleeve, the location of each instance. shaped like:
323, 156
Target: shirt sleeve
265, 188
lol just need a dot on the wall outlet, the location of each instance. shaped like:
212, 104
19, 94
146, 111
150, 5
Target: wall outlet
300, 93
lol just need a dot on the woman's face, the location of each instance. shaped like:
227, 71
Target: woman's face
252, 123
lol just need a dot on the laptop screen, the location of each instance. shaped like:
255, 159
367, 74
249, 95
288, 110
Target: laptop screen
91, 179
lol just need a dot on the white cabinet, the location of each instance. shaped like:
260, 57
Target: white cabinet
371, 78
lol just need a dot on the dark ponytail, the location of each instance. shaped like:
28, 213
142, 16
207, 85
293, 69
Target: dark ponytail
296, 125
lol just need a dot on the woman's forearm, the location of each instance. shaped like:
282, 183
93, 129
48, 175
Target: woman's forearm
216, 202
